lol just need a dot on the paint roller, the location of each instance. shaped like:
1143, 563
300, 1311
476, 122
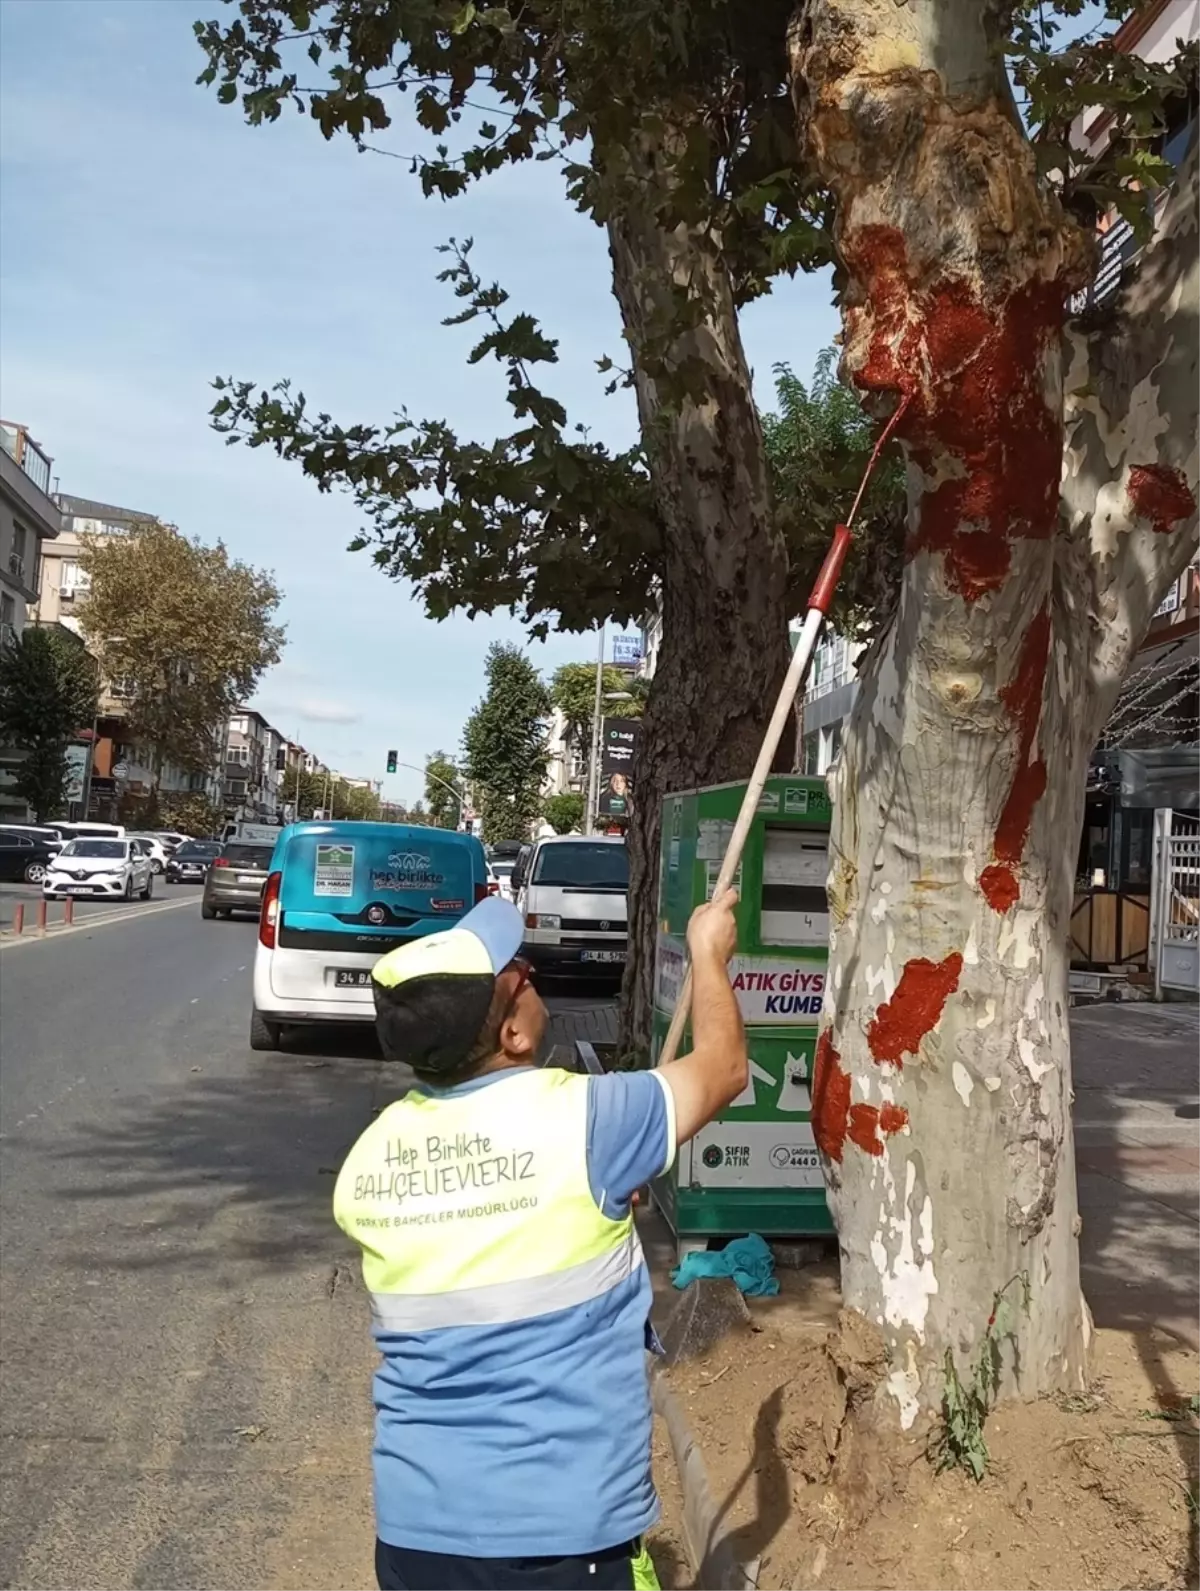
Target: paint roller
814, 618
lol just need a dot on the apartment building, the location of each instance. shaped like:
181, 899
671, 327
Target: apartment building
30, 522
251, 786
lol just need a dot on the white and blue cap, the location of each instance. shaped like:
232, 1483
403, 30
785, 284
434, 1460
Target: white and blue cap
433, 995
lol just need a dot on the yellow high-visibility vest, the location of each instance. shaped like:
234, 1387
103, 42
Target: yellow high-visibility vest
474, 1208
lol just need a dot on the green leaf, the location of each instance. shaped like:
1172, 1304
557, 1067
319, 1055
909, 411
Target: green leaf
464, 18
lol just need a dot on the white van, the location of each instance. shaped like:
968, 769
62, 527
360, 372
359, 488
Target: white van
340, 895
570, 889
90, 831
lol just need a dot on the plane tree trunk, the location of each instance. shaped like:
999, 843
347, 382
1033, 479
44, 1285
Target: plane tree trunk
942, 1090
724, 579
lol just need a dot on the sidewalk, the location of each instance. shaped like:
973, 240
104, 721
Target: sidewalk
1137, 1150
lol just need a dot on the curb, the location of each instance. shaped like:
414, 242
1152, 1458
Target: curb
713, 1560
87, 925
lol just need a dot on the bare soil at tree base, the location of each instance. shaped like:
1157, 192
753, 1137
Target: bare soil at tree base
1094, 1491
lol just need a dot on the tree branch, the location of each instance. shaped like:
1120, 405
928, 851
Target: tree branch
1131, 466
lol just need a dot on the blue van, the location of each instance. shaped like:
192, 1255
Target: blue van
339, 896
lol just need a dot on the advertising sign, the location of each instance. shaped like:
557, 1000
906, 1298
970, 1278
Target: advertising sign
77, 767
617, 744
627, 650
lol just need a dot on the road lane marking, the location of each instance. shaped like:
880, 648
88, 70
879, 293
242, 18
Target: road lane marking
89, 924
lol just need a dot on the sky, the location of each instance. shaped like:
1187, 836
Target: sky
150, 241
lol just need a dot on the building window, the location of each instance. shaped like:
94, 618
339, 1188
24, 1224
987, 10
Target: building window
811, 747
72, 578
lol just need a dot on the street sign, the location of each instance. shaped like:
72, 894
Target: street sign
120, 770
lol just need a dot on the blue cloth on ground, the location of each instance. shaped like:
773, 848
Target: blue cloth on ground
748, 1261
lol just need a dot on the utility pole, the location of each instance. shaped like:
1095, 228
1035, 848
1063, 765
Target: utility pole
593, 796
299, 765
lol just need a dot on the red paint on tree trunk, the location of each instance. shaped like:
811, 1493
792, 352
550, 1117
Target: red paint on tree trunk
1161, 495
834, 1118
868, 1125
830, 1099
1022, 696
978, 417
915, 1009
1000, 887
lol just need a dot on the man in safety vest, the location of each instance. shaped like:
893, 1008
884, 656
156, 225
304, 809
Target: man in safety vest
508, 1289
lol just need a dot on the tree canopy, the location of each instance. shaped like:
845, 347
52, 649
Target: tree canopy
185, 628
48, 693
573, 694
504, 743
442, 779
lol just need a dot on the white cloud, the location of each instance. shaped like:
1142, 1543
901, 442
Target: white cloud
317, 711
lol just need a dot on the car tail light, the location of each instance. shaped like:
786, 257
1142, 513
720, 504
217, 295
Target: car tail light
482, 891
493, 888
269, 915
220, 861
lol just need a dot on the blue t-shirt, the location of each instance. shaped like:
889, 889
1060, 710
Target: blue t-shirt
532, 1439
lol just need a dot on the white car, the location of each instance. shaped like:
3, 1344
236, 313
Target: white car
500, 873
158, 851
112, 869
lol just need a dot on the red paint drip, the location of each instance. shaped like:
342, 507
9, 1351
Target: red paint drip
915, 1009
1022, 696
834, 1118
1161, 495
972, 374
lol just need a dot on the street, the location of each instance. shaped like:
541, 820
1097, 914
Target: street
186, 1367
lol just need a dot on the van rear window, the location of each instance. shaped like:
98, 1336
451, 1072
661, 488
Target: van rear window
583, 865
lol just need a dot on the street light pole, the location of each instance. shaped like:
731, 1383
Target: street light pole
593, 796
445, 784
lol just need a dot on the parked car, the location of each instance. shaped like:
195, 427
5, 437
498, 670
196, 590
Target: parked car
159, 855
191, 861
571, 892
171, 839
339, 896
235, 880
119, 868
25, 854
502, 872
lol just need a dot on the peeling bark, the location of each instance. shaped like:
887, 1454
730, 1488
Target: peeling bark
724, 563
942, 1088
1130, 473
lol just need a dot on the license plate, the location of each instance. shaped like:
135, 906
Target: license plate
346, 979
79, 889
602, 955
249, 878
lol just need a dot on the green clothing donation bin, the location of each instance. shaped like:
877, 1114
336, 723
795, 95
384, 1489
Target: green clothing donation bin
756, 1168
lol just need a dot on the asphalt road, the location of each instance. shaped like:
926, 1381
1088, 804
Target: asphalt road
29, 894
185, 1363
184, 1352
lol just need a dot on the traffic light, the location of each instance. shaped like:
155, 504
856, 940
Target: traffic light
392, 755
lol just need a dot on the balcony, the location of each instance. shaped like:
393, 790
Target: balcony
24, 451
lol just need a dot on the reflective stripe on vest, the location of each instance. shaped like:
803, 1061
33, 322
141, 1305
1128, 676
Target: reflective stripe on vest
475, 1208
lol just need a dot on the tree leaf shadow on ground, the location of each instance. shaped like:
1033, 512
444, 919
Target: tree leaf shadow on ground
1138, 1166
237, 1163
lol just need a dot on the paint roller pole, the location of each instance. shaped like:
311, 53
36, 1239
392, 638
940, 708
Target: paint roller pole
593, 795
818, 606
